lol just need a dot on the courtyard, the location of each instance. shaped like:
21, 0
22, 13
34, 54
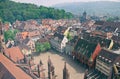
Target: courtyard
75, 69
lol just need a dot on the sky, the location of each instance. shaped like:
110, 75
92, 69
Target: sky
53, 2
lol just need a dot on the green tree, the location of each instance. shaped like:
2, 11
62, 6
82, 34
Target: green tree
10, 34
11, 11
47, 45
41, 47
69, 36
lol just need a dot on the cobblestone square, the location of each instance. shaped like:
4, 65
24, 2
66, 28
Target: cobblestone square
74, 68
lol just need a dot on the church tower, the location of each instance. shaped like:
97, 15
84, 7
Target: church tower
83, 18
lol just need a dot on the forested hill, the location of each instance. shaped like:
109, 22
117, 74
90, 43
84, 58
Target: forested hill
11, 11
93, 8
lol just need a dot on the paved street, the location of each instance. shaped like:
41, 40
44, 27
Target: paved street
75, 70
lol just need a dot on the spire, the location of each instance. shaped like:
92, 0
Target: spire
86, 73
65, 72
49, 60
40, 62
49, 68
38, 70
65, 65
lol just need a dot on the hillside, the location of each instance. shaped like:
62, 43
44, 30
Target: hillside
11, 11
92, 8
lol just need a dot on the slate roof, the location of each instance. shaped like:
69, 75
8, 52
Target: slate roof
99, 22
74, 40
8, 70
116, 38
60, 36
61, 29
111, 26
85, 47
103, 42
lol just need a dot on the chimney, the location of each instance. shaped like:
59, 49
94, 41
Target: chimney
53, 72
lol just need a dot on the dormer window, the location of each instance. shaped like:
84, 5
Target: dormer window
103, 58
110, 61
100, 56
106, 59
117, 63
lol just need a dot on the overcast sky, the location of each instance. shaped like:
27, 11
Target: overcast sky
52, 2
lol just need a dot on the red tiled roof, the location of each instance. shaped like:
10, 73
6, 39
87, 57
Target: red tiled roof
14, 53
12, 68
34, 33
24, 34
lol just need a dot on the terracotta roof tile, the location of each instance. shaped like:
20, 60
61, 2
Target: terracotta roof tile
24, 34
34, 33
14, 53
11, 69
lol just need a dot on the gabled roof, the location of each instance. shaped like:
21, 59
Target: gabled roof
85, 47
116, 38
42, 40
103, 42
60, 36
25, 41
61, 29
74, 40
99, 23
24, 35
4, 73
14, 53
111, 26
34, 33
9, 70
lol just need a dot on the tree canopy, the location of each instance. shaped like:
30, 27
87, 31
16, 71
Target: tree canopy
69, 37
10, 34
41, 47
11, 11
